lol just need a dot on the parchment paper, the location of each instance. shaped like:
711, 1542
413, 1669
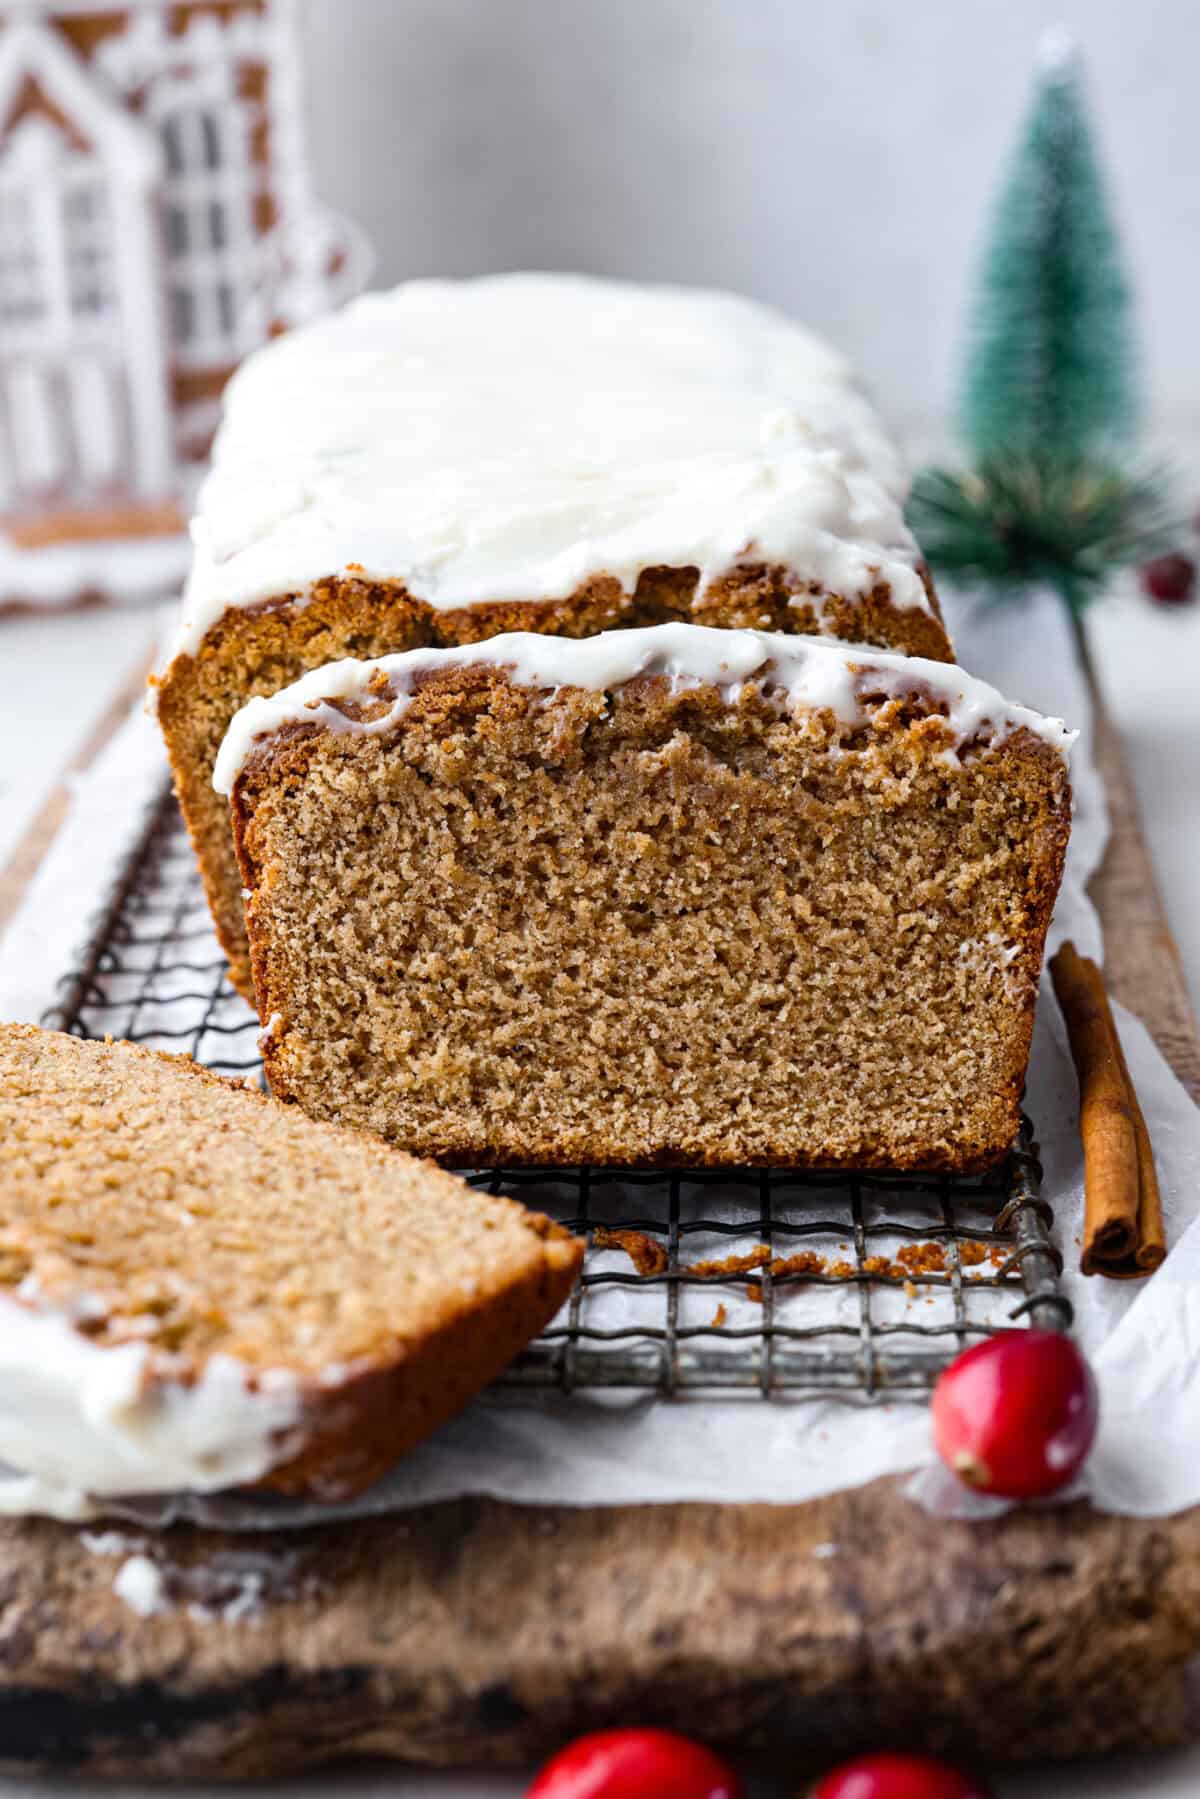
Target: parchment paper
1144, 1338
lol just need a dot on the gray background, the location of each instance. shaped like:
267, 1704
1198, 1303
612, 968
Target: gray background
836, 158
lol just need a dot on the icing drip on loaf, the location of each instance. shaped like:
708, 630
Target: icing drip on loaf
509, 439
803, 673
81, 1422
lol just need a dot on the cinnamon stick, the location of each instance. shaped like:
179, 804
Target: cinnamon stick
1123, 1234
1152, 1236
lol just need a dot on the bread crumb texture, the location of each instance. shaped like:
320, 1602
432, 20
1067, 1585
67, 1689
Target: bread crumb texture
264, 648
652, 927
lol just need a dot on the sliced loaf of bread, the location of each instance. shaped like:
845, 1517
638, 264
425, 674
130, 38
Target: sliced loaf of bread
667, 897
201, 1288
528, 452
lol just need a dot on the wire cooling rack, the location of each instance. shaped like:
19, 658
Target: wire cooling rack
778, 1284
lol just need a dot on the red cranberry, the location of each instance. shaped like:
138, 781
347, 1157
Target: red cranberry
1169, 579
896, 1777
1016, 1415
636, 1764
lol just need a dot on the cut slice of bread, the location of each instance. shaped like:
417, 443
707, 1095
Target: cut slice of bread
673, 897
201, 1287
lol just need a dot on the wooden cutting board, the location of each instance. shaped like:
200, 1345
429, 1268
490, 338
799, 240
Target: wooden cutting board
479, 1632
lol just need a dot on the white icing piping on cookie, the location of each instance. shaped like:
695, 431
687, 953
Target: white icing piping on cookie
511, 438
811, 673
81, 1422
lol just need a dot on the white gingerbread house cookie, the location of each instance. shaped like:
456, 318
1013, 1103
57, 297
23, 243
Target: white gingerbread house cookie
155, 225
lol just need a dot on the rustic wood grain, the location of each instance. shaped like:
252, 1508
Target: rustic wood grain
486, 1633
1142, 966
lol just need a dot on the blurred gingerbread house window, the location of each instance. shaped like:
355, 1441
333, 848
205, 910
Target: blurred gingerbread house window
212, 188
88, 234
155, 225
22, 297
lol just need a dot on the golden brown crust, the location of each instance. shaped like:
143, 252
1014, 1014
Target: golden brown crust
263, 648
388, 1289
920, 963
383, 1412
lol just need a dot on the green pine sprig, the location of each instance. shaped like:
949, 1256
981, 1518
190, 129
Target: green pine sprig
1052, 362
1037, 516
1049, 402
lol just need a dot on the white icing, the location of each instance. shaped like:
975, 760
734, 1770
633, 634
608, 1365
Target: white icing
810, 673
81, 1422
109, 1542
986, 956
139, 1582
507, 439
992, 947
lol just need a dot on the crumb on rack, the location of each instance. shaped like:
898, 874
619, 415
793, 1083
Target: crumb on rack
920, 1258
647, 1254
806, 1262
731, 1265
912, 1262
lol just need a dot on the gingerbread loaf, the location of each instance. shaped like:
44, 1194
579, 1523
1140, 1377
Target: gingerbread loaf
201, 1289
545, 453
675, 896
